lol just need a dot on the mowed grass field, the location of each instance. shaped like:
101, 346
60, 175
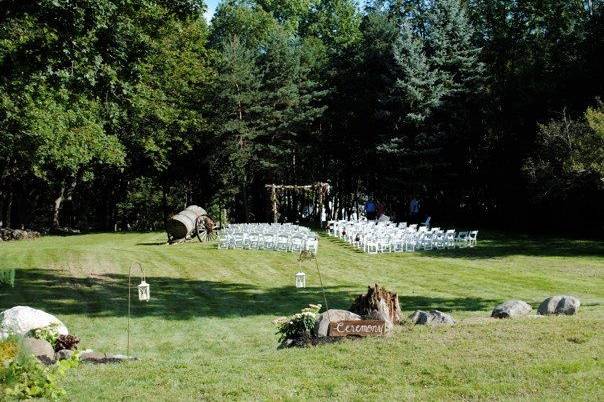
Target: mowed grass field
207, 332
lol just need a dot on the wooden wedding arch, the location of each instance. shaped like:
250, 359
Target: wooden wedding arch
314, 194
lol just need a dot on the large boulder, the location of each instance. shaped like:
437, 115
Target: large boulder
433, 317
323, 320
511, 308
20, 320
568, 305
40, 348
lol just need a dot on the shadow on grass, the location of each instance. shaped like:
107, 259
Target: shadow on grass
182, 299
498, 245
493, 245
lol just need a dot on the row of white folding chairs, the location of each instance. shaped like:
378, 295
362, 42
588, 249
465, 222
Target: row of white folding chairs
343, 228
377, 237
293, 241
265, 228
409, 241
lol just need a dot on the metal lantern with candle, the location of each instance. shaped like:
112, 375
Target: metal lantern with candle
300, 280
144, 293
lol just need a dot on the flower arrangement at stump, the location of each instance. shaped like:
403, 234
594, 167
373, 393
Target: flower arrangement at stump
297, 330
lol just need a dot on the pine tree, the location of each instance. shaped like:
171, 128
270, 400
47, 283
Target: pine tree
236, 98
289, 105
451, 51
456, 126
417, 91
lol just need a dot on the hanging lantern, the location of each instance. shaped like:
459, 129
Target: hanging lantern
144, 291
300, 280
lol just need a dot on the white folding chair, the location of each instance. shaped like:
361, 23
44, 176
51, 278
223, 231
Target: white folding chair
472, 238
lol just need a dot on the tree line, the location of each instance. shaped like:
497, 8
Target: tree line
115, 113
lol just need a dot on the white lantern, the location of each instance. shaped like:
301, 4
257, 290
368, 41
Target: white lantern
144, 291
300, 280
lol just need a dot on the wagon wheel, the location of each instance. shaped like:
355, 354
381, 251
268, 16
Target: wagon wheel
204, 229
200, 229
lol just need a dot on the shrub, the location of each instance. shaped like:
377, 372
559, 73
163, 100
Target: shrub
8, 349
49, 333
299, 325
24, 377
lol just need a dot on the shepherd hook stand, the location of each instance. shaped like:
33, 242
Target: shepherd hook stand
146, 298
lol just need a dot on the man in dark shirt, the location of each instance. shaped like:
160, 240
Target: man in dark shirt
370, 210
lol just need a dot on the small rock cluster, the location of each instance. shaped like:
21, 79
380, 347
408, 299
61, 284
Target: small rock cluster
554, 305
18, 234
23, 320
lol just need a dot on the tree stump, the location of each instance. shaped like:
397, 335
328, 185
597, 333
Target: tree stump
378, 304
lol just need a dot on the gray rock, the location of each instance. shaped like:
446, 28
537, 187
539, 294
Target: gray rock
433, 317
64, 354
568, 305
40, 348
323, 320
511, 308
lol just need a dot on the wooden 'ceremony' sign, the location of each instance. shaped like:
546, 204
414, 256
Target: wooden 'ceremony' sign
357, 328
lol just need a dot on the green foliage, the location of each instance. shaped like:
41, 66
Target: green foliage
9, 348
25, 377
569, 155
7, 277
68, 135
417, 84
299, 325
595, 119
49, 334
244, 19
120, 112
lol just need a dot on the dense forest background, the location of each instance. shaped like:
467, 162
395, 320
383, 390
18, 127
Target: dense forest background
117, 113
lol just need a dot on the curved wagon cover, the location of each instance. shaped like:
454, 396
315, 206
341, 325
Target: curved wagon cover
182, 224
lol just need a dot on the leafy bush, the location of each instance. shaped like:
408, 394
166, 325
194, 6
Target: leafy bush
566, 171
24, 377
49, 333
299, 325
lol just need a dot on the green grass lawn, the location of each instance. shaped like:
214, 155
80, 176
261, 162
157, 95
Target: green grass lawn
207, 332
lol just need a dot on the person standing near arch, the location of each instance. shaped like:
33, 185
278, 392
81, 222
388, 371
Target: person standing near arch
414, 206
370, 209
